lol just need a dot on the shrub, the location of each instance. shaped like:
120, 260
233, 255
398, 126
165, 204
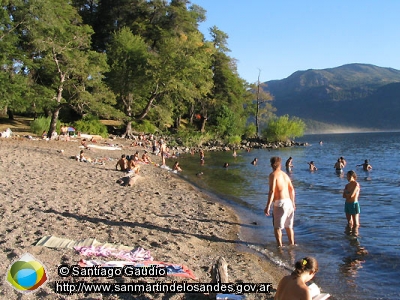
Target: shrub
282, 128
91, 125
191, 138
250, 131
42, 124
144, 126
234, 140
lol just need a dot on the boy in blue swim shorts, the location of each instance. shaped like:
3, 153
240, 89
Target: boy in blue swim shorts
351, 206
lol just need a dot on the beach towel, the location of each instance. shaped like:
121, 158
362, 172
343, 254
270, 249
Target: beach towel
172, 269
134, 255
104, 147
51, 241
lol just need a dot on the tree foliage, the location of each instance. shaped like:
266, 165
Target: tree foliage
283, 128
142, 62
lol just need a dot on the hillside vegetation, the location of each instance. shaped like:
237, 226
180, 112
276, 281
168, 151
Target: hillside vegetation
355, 95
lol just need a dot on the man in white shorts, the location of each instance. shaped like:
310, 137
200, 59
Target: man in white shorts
282, 196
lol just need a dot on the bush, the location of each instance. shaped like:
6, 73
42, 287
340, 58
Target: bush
191, 138
234, 140
282, 128
250, 131
91, 125
228, 122
42, 124
144, 126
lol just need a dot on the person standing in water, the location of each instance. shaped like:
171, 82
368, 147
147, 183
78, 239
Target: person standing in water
282, 196
201, 154
339, 166
366, 166
289, 164
351, 206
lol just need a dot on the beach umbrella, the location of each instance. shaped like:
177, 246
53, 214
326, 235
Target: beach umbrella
71, 129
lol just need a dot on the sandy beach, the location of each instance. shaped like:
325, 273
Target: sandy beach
45, 192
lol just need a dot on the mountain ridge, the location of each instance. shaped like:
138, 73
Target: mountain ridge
352, 95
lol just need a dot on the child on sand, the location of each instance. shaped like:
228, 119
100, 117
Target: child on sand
294, 286
83, 158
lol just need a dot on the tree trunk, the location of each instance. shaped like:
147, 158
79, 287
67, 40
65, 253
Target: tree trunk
10, 114
258, 105
191, 114
203, 123
3, 112
128, 129
178, 122
53, 122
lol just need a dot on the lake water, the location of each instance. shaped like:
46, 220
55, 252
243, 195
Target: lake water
366, 266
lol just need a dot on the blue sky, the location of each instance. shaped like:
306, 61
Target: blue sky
280, 37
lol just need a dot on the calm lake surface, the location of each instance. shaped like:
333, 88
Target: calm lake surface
363, 266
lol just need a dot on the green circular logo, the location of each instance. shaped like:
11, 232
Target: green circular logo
26, 274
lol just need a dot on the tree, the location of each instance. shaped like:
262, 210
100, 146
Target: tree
263, 109
161, 74
128, 59
62, 62
13, 79
229, 90
283, 128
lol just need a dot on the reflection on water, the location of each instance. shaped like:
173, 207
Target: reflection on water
352, 263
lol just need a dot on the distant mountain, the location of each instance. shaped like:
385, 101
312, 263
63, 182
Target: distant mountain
354, 95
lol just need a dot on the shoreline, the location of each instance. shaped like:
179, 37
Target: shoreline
48, 193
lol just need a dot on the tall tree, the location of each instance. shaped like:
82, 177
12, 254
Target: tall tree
128, 77
261, 99
63, 63
13, 79
160, 73
229, 89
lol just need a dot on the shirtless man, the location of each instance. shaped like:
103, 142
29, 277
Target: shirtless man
122, 163
343, 161
366, 166
282, 196
163, 151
